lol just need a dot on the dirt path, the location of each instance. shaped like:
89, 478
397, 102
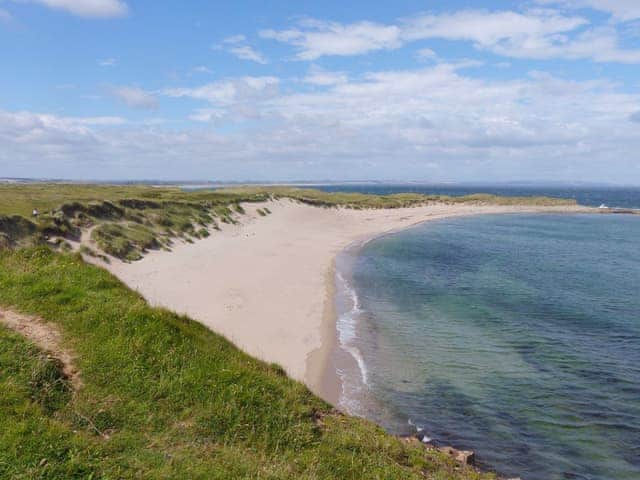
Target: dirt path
46, 336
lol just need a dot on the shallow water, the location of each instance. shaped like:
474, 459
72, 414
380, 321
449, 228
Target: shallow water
517, 336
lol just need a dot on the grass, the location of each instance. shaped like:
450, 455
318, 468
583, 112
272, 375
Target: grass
21, 199
126, 241
397, 200
130, 220
164, 397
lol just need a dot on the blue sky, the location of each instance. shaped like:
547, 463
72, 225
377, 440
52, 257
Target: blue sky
403, 90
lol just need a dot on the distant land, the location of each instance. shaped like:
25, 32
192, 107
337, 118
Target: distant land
307, 183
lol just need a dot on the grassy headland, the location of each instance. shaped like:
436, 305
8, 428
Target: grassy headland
163, 397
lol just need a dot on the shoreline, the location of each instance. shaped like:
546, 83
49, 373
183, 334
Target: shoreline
321, 372
269, 282
323, 364
327, 366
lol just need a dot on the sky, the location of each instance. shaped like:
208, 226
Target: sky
403, 90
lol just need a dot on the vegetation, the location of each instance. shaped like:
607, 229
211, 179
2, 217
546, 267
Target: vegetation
398, 200
163, 397
127, 221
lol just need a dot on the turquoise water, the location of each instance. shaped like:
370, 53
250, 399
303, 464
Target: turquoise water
517, 336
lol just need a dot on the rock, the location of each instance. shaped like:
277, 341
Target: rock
466, 457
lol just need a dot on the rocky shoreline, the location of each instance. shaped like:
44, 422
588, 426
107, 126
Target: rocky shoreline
465, 458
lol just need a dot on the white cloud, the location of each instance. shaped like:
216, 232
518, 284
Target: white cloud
44, 145
315, 39
237, 46
202, 69
134, 97
207, 115
619, 9
245, 52
89, 8
228, 92
217, 92
318, 76
48, 134
433, 123
487, 29
635, 117
96, 121
234, 39
108, 62
599, 44
426, 54
436, 116
540, 34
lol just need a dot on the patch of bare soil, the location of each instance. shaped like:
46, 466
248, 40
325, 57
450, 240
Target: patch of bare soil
46, 336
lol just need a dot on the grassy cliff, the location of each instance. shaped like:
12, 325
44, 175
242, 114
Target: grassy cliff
163, 397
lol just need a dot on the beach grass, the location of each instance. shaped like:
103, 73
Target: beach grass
128, 220
396, 200
164, 397
21, 199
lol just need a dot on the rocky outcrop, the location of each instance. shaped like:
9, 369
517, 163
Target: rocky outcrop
463, 457
466, 457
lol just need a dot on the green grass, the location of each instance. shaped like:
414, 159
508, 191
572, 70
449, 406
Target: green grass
20, 199
398, 200
126, 241
164, 397
131, 220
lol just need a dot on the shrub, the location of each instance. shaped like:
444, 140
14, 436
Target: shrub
238, 208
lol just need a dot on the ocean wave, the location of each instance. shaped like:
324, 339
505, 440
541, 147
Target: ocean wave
347, 327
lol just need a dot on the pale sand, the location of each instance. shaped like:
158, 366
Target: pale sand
267, 284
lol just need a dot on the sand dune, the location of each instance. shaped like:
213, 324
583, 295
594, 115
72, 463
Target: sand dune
266, 284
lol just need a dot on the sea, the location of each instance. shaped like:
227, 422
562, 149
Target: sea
516, 336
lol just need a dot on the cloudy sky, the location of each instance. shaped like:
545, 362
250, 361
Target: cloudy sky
282, 90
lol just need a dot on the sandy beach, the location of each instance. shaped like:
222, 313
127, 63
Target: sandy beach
267, 284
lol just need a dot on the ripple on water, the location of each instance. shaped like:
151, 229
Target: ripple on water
517, 336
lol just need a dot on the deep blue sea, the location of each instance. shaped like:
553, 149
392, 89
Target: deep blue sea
517, 336
620, 197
